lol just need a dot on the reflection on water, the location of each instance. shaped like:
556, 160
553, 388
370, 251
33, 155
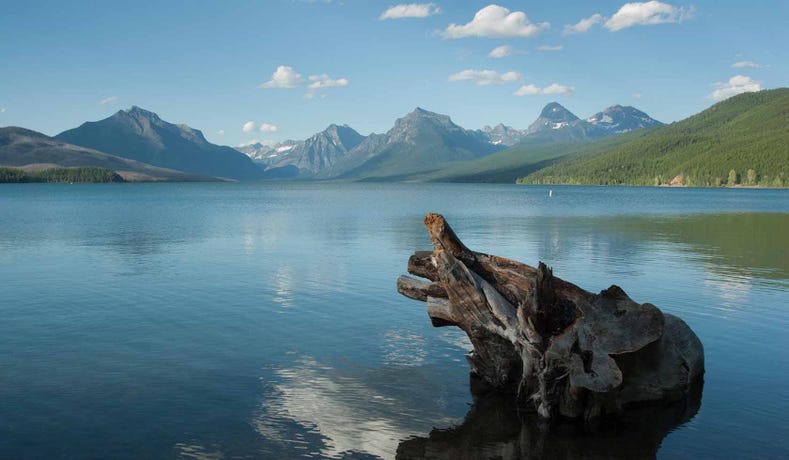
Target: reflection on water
494, 429
262, 321
197, 452
318, 411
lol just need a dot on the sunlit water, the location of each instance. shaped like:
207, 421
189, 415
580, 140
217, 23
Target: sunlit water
220, 321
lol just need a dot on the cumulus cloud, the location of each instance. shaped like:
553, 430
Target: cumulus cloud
485, 77
287, 77
221, 132
108, 100
553, 88
248, 127
2, 109
550, 48
501, 51
324, 81
284, 77
495, 21
745, 64
527, 90
647, 13
583, 25
410, 10
737, 84
268, 128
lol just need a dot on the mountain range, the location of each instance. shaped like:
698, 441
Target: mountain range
619, 145
424, 141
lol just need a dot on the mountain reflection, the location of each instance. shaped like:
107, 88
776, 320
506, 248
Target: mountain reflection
494, 429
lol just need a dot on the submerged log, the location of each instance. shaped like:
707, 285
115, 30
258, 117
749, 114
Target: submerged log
555, 347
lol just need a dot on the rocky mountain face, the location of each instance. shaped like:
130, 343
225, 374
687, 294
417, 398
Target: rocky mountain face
265, 154
618, 119
418, 141
318, 153
141, 135
553, 116
503, 135
557, 124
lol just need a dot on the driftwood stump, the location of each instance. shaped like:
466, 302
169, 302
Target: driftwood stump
555, 347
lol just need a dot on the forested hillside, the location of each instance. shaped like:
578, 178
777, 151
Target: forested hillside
741, 141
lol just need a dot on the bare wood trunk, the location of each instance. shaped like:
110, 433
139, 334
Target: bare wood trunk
560, 349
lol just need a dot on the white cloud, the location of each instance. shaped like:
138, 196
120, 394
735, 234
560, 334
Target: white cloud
287, 77
583, 25
268, 128
550, 48
2, 109
324, 81
737, 84
553, 88
485, 77
501, 51
647, 13
410, 10
495, 21
108, 100
637, 95
745, 64
248, 127
284, 77
221, 132
527, 90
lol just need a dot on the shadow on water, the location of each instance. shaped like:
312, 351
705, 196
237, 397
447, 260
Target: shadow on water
496, 429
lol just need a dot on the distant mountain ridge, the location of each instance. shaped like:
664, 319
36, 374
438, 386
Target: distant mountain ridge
141, 135
34, 151
422, 141
557, 124
419, 140
618, 119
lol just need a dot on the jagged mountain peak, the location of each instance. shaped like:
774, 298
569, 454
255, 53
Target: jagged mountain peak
557, 113
420, 117
620, 119
342, 136
138, 112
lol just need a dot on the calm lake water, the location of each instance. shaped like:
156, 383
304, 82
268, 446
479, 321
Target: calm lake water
235, 321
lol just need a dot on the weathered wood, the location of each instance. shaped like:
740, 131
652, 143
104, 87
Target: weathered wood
562, 350
418, 289
421, 264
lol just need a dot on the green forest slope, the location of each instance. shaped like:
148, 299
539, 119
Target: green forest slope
741, 141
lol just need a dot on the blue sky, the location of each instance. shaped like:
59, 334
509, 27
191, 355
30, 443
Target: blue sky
207, 63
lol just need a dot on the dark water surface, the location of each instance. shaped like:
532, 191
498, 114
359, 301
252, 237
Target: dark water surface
232, 321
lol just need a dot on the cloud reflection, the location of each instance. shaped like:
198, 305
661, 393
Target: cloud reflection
335, 415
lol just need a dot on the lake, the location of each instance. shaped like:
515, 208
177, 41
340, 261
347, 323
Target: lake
234, 321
